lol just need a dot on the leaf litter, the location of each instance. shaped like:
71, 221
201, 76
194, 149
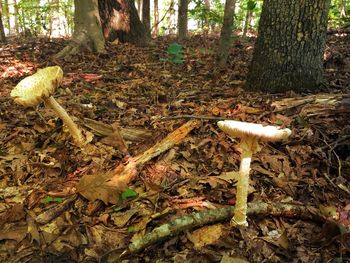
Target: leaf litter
128, 104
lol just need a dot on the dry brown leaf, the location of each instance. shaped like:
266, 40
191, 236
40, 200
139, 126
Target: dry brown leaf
207, 235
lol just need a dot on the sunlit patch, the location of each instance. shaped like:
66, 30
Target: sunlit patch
17, 68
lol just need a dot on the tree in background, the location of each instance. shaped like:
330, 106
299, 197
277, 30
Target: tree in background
288, 53
96, 21
156, 18
226, 32
87, 29
6, 15
249, 12
182, 19
120, 21
2, 30
146, 14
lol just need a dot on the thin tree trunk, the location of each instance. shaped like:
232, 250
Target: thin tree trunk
206, 20
146, 14
156, 18
226, 32
6, 11
171, 17
2, 30
139, 8
342, 8
15, 14
182, 19
288, 53
248, 18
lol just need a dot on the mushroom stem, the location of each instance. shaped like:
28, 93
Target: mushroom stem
240, 212
67, 120
249, 146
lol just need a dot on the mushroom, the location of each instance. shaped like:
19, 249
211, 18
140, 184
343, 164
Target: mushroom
39, 87
250, 135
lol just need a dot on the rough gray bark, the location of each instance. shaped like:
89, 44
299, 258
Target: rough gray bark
87, 29
226, 32
182, 19
288, 53
146, 14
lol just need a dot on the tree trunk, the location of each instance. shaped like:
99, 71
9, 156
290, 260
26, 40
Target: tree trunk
97, 20
6, 13
226, 32
87, 29
121, 21
182, 19
146, 14
139, 8
342, 8
288, 53
2, 30
15, 14
171, 21
248, 18
206, 19
156, 18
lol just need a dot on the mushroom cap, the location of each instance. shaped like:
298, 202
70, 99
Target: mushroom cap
31, 90
244, 130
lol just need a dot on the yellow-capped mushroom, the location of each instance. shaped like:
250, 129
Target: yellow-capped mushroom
39, 87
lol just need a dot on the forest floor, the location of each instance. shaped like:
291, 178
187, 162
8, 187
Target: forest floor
140, 90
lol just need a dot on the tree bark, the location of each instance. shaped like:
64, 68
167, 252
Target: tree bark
156, 18
146, 14
87, 29
342, 8
226, 32
206, 19
2, 29
248, 18
182, 19
15, 14
121, 21
6, 13
139, 7
288, 53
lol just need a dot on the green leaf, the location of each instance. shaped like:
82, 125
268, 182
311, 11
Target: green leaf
174, 49
251, 5
49, 199
131, 229
129, 193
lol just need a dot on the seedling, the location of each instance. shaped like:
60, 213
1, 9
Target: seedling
175, 54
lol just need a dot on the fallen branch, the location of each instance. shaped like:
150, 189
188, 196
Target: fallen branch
212, 216
107, 186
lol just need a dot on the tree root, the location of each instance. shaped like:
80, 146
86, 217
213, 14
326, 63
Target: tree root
80, 39
212, 216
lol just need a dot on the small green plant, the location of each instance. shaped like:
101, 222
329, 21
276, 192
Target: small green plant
175, 54
128, 194
49, 199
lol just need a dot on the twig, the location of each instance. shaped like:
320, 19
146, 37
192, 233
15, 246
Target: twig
196, 117
54, 212
212, 216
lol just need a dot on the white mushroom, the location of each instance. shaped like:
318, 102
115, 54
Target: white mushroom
39, 87
250, 135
